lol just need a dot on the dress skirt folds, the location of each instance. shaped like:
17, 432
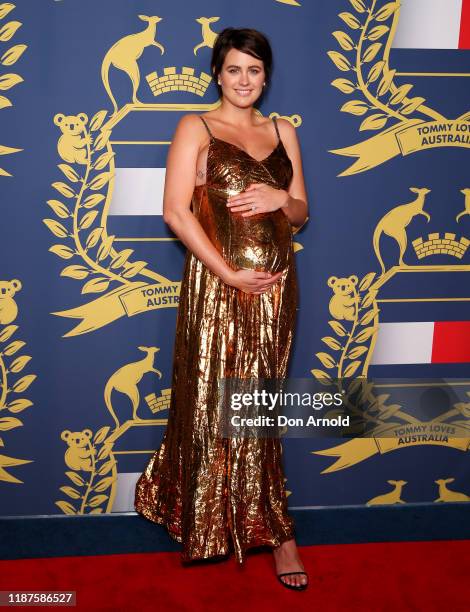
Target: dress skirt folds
217, 494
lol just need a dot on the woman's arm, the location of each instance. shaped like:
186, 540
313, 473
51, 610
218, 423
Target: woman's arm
180, 179
296, 207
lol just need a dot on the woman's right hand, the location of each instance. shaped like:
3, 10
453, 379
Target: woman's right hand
252, 281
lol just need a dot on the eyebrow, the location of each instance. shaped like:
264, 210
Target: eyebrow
252, 66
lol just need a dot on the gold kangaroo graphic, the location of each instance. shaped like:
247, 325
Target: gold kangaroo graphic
394, 222
208, 36
126, 378
125, 53
446, 495
466, 211
392, 497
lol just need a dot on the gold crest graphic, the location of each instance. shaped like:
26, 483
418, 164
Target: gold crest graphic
101, 264
355, 310
355, 307
129, 287
384, 105
92, 459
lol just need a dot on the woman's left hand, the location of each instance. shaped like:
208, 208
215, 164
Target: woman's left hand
262, 197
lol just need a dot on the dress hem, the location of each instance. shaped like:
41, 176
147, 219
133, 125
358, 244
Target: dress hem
240, 559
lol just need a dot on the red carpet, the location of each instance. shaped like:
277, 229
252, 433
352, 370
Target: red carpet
415, 576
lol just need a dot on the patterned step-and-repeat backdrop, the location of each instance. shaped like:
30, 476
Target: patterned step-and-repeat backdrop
90, 275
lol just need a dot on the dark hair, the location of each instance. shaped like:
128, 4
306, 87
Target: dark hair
247, 40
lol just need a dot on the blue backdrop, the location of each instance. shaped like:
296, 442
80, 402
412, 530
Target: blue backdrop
89, 288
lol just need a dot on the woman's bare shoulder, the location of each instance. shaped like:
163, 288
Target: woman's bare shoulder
191, 128
190, 122
285, 127
288, 135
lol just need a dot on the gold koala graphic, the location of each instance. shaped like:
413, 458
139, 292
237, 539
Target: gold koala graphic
78, 455
71, 145
342, 304
8, 307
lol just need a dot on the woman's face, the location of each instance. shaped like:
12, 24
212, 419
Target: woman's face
241, 78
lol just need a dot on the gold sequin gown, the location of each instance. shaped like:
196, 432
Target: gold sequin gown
214, 494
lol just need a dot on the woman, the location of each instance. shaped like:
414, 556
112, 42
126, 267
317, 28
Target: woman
234, 188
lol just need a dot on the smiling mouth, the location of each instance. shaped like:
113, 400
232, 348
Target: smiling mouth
243, 92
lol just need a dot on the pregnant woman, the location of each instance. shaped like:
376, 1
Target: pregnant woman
234, 188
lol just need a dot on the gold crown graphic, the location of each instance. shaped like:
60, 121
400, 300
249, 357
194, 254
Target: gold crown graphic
178, 81
157, 404
436, 246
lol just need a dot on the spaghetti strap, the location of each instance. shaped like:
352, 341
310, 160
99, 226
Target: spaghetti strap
207, 127
277, 129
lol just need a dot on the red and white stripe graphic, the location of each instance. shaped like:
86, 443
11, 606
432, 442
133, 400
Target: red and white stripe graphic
433, 24
422, 342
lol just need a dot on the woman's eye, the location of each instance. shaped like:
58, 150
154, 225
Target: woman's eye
254, 70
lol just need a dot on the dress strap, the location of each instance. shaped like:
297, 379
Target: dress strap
207, 127
277, 129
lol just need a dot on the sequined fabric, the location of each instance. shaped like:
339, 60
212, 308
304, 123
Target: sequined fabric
214, 494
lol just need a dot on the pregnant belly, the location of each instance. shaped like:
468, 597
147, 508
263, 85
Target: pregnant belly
261, 242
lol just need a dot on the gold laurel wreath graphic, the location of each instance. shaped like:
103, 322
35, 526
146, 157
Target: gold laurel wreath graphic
355, 348
8, 58
353, 343
92, 494
88, 210
392, 101
14, 406
83, 235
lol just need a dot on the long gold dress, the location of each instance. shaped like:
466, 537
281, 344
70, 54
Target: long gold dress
217, 494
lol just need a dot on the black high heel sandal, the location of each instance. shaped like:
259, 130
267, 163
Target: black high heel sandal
300, 587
